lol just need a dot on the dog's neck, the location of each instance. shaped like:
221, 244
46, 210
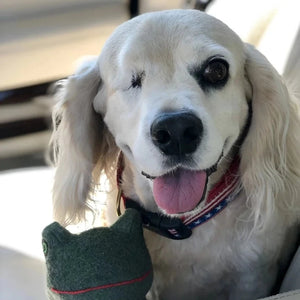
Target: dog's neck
181, 226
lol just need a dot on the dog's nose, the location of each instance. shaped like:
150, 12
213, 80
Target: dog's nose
176, 133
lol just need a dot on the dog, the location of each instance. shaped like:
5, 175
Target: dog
208, 133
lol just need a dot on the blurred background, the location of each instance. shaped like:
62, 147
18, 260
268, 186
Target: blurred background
40, 41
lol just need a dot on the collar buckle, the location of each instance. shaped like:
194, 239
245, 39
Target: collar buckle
172, 228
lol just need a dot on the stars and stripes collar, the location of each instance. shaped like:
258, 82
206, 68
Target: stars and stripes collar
217, 199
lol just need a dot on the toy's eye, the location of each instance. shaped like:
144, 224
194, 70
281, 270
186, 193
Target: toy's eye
137, 80
216, 72
45, 247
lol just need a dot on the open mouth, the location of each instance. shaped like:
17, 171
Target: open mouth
180, 190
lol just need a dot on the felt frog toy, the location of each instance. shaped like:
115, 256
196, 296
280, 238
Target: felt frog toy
107, 263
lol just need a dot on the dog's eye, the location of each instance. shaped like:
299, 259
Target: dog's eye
137, 80
216, 72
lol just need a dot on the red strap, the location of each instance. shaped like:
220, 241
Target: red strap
101, 287
228, 177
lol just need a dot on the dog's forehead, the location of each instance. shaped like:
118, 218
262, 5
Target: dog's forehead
158, 36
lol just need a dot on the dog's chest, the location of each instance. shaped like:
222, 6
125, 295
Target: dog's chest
193, 265
188, 268
206, 263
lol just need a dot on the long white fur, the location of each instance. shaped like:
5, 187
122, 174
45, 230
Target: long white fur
238, 254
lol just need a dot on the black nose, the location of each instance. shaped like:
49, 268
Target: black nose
176, 133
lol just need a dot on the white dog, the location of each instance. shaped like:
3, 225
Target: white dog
211, 152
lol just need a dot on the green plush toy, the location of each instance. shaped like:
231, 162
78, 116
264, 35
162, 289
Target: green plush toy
110, 263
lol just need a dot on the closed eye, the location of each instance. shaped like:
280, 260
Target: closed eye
137, 80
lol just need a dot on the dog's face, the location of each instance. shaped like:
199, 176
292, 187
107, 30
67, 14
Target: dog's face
173, 96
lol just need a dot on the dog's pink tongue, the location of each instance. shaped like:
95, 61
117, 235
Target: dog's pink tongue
179, 192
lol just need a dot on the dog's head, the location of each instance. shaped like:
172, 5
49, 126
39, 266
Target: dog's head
173, 96
172, 91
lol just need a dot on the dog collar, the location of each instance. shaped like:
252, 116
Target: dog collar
181, 228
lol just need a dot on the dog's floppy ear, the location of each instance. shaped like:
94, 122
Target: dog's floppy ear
270, 160
82, 145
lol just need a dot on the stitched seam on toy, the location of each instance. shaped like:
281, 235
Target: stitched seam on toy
106, 286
